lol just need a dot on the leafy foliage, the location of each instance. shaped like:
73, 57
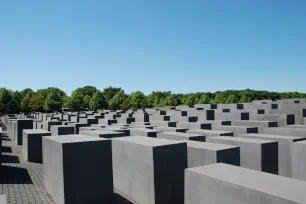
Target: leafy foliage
53, 99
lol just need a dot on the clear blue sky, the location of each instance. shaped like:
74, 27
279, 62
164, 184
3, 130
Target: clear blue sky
181, 46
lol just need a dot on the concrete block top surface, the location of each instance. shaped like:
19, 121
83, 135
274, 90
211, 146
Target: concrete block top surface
203, 131
182, 134
59, 126
148, 141
35, 131
237, 126
244, 140
278, 186
208, 145
73, 139
145, 130
272, 136
101, 132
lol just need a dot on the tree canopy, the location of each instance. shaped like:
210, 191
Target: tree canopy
89, 97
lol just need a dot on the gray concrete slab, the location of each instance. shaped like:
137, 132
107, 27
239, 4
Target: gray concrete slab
61, 130
256, 123
212, 133
284, 149
298, 162
257, 154
170, 129
286, 131
20, 125
237, 130
32, 144
144, 132
103, 133
223, 183
91, 180
47, 124
145, 170
204, 153
181, 136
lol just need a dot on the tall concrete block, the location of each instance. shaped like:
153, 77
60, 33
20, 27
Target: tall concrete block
261, 155
149, 170
3, 199
20, 125
204, 153
223, 183
298, 155
62, 130
181, 136
74, 176
284, 149
32, 144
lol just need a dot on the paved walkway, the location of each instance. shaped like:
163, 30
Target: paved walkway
21, 181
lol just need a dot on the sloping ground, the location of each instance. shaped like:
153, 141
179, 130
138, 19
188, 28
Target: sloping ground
20, 181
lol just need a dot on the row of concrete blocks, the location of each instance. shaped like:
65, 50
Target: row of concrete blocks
150, 170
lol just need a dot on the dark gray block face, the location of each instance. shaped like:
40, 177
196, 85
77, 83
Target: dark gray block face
62, 130
261, 155
77, 127
284, 149
180, 136
47, 124
298, 165
223, 183
20, 125
103, 134
149, 170
237, 130
32, 144
144, 132
212, 133
204, 153
91, 180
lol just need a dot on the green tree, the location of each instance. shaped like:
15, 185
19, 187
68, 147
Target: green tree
37, 102
13, 107
5, 98
173, 100
87, 99
53, 102
245, 99
219, 98
87, 90
24, 92
138, 100
110, 92
17, 97
204, 99
97, 101
190, 100
231, 99
117, 100
26, 102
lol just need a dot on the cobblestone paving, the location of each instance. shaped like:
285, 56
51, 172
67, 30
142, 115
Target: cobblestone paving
21, 181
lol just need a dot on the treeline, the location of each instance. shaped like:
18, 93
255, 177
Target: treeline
90, 98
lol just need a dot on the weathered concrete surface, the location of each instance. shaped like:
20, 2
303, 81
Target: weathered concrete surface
62, 156
181, 136
284, 149
223, 183
257, 154
145, 169
298, 156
